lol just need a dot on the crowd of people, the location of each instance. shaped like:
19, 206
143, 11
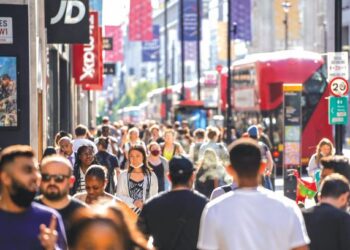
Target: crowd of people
165, 187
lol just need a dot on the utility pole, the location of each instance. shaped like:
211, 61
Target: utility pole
166, 57
229, 82
339, 129
182, 51
199, 32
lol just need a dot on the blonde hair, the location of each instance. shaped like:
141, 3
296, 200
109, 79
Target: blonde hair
323, 141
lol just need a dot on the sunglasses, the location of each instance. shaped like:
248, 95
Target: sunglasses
59, 178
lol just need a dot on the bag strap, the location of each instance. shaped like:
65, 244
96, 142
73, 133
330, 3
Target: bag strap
227, 188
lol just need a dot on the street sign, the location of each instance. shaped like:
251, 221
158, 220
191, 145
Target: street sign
338, 65
339, 86
338, 110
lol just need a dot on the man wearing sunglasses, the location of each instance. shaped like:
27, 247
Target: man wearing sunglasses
56, 180
25, 224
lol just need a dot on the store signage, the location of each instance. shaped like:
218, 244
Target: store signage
86, 56
67, 21
6, 33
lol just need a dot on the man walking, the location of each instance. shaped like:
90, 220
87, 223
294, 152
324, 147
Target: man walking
327, 224
251, 217
66, 148
24, 223
57, 179
172, 218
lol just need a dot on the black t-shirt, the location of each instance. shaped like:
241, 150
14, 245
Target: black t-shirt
327, 227
161, 218
159, 172
67, 211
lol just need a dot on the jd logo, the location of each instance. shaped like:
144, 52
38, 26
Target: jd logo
66, 8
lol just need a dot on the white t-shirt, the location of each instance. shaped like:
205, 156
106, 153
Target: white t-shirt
254, 219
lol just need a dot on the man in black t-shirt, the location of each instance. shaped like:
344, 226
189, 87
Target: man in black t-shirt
173, 217
328, 224
56, 181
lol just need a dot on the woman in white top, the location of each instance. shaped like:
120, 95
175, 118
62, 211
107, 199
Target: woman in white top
138, 182
324, 148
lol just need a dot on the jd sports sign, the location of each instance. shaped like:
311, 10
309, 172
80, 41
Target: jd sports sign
67, 21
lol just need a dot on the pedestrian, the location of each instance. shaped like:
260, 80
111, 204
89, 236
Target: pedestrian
66, 149
155, 134
81, 138
25, 224
199, 135
213, 135
327, 223
159, 165
170, 148
104, 227
138, 183
56, 180
95, 182
172, 218
324, 148
253, 132
110, 162
86, 158
210, 173
335, 164
133, 139
264, 137
113, 147
251, 217
48, 151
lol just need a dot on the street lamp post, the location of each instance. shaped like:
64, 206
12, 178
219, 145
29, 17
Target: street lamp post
286, 6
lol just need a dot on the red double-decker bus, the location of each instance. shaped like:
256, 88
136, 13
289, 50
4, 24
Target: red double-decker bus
257, 95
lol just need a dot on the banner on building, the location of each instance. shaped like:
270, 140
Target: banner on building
190, 51
116, 54
107, 43
99, 84
241, 20
86, 56
109, 69
150, 50
96, 5
67, 21
190, 13
140, 20
222, 42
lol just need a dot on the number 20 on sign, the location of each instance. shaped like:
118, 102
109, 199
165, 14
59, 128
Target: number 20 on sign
339, 86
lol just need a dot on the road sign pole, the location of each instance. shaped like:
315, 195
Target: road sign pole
338, 47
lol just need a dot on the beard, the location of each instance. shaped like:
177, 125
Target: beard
53, 195
20, 195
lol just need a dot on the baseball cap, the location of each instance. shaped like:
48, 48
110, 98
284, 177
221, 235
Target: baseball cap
180, 165
253, 131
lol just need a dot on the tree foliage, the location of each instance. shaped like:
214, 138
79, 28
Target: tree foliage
136, 95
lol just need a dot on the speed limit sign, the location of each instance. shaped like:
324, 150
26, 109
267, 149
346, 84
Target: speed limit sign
339, 86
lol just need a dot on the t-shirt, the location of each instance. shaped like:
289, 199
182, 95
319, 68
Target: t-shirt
68, 210
159, 171
21, 230
328, 227
252, 219
160, 217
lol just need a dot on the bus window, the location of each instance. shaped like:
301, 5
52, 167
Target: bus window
313, 90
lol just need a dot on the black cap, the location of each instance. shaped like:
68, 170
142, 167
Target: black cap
180, 165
